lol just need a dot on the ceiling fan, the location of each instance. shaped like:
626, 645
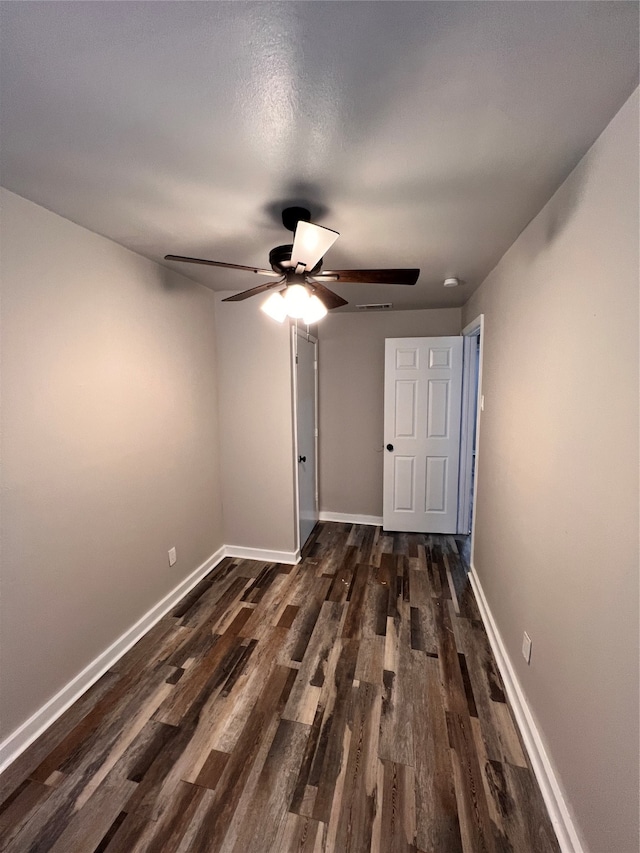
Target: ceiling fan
300, 289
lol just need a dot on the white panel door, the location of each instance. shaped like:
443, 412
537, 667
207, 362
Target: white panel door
422, 399
306, 374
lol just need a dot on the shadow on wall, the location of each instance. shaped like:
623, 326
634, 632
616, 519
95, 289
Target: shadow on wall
566, 201
551, 221
174, 282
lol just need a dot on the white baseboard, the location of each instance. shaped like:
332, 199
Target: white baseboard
545, 773
347, 518
32, 728
288, 557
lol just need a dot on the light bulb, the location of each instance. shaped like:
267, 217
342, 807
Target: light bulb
296, 298
315, 311
275, 307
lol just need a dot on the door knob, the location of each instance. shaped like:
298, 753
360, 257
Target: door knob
389, 447
302, 458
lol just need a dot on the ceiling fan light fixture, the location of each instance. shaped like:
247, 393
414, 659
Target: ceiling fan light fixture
296, 298
275, 307
315, 311
311, 243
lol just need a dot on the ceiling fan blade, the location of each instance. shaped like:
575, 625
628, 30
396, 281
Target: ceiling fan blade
370, 276
261, 288
221, 264
328, 298
310, 243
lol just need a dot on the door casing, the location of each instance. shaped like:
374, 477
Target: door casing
469, 462
296, 334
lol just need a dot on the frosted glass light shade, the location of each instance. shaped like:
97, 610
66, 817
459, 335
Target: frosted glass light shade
310, 244
296, 302
296, 298
315, 311
275, 307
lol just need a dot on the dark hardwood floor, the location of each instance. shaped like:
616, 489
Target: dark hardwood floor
349, 703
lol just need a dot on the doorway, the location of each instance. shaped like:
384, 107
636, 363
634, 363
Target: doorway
472, 405
305, 372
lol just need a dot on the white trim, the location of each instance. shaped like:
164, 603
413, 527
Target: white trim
288, 557
294, 431
297, 332
472, 328
349, 518
543, 768
32, 728
466, 431
471, 378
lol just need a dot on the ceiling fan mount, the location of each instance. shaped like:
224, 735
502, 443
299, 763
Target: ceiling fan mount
300, 263
292, 215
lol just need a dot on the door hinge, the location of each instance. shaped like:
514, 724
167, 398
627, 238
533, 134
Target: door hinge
296, 359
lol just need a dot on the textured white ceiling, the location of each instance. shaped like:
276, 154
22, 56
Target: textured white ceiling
427, 133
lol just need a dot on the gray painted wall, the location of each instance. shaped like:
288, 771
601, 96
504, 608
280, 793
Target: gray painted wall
109, 446
351, 396
557, 513
256, 427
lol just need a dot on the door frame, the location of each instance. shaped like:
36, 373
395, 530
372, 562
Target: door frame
469, 469
297, 331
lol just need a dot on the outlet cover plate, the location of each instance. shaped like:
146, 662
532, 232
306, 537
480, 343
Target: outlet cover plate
172, 556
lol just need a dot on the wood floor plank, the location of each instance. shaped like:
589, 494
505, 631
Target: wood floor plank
475, 824
496, 723
79, 738
274, 790
370, 664
359, 795
289, 614
212, 769
20, 808
329, 755
300, 834
245, 803
229, 789
126, 834
437, 823
303, 624
271, 605
87, 827
230, 710
48, 743
348, 703
220, 658
398, 828
352, 627
396, 726
305, 695
86, 764
519, 804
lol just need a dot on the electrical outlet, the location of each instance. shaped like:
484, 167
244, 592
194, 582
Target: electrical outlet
172, 556
482, 402
526, 647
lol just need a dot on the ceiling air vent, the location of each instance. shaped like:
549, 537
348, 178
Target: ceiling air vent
375, 306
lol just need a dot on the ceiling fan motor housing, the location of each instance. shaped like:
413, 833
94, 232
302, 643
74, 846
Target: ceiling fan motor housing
280, 260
